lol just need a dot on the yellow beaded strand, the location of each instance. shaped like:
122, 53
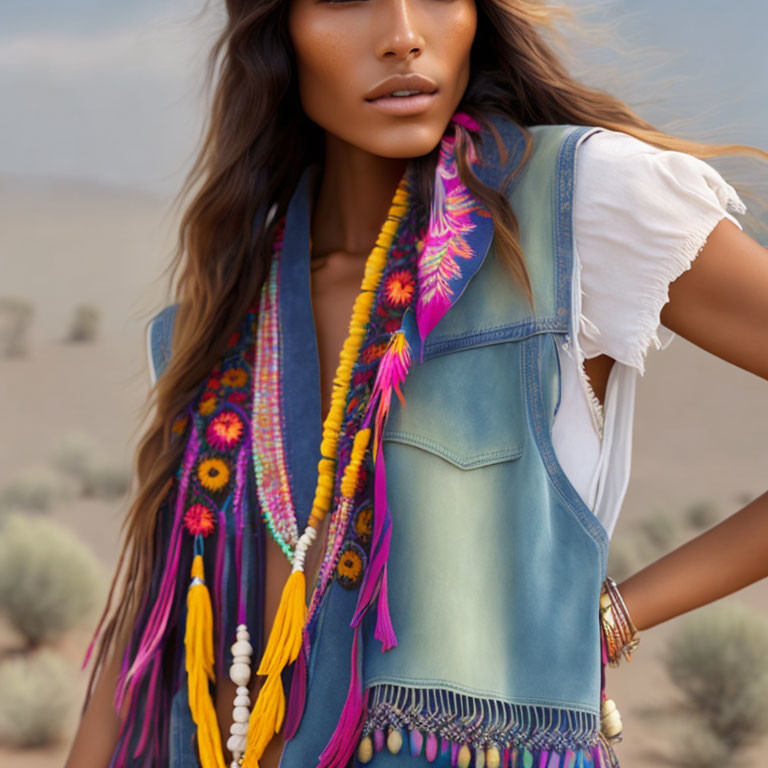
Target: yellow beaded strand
349, 353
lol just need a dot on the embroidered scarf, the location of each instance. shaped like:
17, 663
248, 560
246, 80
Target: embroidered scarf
211, 523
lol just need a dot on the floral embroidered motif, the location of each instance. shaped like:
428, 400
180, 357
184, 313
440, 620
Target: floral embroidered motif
351, 564
180, 424
364, 523
208, 403
213, 473
399, 288
198, 520
234, 377
225, 430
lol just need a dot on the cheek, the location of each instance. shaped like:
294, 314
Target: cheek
454, 33
325, 56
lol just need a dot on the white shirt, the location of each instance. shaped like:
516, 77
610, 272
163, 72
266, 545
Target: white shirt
641, 216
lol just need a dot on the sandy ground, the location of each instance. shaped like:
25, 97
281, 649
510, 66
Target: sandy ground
699, 433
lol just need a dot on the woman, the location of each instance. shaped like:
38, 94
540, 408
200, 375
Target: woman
487, 613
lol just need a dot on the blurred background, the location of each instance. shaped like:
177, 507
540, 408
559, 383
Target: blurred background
102, 106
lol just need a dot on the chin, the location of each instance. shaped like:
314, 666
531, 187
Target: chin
405, 138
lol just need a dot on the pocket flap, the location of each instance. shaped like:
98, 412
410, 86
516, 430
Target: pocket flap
465, 406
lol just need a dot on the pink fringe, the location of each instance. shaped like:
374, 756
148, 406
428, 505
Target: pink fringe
393, 368
158, 619
237, 509
120, 760
297, 696
382, 531
345, 737
597, 753
384, 631
150, 701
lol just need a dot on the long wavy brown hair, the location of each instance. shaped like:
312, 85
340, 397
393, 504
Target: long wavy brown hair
257, 142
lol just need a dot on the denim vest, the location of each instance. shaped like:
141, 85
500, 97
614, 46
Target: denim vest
498, 632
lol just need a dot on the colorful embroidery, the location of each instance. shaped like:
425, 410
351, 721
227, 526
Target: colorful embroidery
198, 520
351, 564
445, 245
208, 404
234, 377
399, 288
179, 425
364, 522
213, 474
225, 430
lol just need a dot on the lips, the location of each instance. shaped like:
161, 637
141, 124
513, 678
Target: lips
409, 82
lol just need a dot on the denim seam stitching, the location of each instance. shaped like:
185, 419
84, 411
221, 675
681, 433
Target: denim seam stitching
478, 459
563, 220
498, 335
535, 405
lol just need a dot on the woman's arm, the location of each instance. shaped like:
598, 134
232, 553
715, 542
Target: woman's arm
97, 733
721, 305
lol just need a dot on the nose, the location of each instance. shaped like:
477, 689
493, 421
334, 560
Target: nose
400, 37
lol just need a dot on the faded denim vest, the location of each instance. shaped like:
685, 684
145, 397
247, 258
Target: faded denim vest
497, 623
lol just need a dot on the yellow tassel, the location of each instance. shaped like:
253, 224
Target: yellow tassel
266, 718
198, 642
285, 637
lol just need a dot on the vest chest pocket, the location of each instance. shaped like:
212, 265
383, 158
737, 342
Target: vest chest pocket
466, 406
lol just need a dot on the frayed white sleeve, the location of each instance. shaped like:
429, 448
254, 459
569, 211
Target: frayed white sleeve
641, 216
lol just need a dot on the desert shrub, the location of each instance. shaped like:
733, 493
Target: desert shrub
15, 319
74, 453
49, 580
717, 661
702, 514
696, 747
36, 698
86, 321
105, 481
35, 489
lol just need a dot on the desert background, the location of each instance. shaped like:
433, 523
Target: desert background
102, 108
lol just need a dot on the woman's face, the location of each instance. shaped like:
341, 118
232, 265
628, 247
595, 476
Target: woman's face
346, 49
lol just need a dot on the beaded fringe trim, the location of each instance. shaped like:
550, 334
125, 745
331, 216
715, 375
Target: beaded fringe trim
483, 732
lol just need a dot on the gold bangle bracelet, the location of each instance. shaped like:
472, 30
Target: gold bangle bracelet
620, 633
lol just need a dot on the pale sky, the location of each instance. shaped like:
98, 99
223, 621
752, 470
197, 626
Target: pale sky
108, 90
